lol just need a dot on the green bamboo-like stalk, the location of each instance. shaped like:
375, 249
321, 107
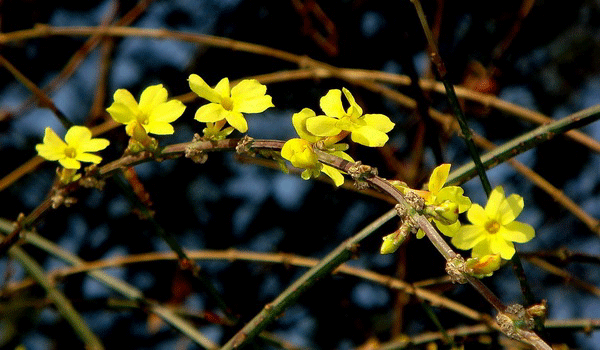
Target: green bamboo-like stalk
438, 63
525, 142
115, 284
62, 303
336, 257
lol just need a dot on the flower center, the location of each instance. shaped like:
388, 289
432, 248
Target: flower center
227, 103
142, 118
492, 226
70, 152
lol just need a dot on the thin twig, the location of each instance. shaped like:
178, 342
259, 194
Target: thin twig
61, 302
117, 285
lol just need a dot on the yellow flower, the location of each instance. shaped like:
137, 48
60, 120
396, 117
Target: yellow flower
69, 154
249, 96
446, 202
368, 130
299, 151
494, 228
154, 113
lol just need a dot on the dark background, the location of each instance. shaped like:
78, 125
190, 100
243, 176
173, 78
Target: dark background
550, 65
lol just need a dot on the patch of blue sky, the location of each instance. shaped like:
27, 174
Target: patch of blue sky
93, 289
369, 296
64, 17
519, 95
289, 190
354, 216
267, 241
98, 236
271, 124
371, 23
36, 341
212, 332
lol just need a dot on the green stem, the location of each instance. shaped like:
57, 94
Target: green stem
185, 262
436, 59
289, 296
525, 142
61, 302
115, 284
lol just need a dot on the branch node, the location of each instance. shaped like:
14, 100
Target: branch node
244, 146
90, 180
415, 201
192, 152
59, 197
360, 172
456, 268
514, 318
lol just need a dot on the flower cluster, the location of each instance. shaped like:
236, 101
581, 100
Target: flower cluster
492, 231
323, 132
153, 114
490, 235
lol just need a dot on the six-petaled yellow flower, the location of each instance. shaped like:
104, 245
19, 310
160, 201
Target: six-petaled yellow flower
229, 104
69, 154
300, 152
493, 229
154, 114
446, 202
368, 129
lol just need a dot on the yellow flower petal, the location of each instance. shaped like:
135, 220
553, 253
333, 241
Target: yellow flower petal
518, 232
331, 104
77, 135
299, 122
152, 97
448, 230
354, 110
89, 158
510, 208
438, 178
369, 136
201, 88
477, 215
237, 120
69, 163
159, 128
454, 194
468, 236
482, 249
124, 108
334, 174
210, 113
499, 245
248, 89
222, 88
94, 145
53, 147
379, 122
496, 198
167, 112
255, 105
322, 126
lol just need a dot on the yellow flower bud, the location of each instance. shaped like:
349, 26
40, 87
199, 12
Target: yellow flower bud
484, 266
392, 242
447, 212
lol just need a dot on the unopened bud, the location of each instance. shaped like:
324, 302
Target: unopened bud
446, 212
392, 242
484, 266
537, 310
